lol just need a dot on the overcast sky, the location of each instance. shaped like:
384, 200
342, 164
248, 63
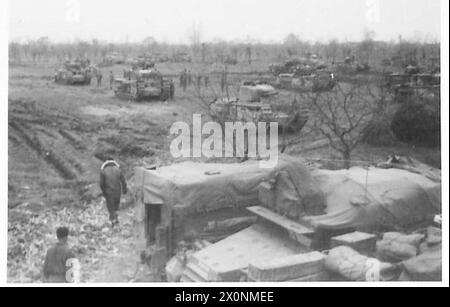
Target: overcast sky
263, 20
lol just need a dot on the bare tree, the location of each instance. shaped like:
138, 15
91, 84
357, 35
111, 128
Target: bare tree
332, 50
207, 96
248, 51
95, 47
367, 46
195, 37
203, 52
14, 51
341, 115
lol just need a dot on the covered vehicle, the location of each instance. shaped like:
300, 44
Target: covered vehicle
298, 205
183, 197
144, 84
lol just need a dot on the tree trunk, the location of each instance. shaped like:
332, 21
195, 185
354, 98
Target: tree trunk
347, 158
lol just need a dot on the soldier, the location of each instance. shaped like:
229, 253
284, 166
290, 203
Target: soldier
189, 77
181, 79
111, 80
99, 76
112, 184
223, 80
199, 81
57, 260
184, 79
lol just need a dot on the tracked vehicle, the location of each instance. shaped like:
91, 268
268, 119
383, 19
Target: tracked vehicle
73, 74
140, 85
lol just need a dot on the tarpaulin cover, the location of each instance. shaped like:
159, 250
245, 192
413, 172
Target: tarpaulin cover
204, 187
255, 92
427, 266
376, 197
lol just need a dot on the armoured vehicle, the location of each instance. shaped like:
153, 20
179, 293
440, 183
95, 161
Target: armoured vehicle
112, 58
143, 85
74, 74
116, 58
145, 62
181, 57
352, 67
229, 60
256, 104
405, 85
315, 82
298, 67
160, 58
105, 62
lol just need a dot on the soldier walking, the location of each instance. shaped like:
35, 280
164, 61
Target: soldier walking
113, 185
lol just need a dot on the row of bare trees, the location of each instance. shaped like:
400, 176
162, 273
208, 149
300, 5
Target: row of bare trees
368, 50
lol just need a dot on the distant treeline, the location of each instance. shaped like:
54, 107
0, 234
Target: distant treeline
367, 51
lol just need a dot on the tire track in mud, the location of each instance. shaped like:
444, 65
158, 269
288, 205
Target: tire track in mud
51, 157
74, 141
48, 133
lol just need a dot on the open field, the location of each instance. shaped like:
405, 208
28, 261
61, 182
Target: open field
57, 135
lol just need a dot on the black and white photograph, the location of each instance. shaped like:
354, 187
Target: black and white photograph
241, 143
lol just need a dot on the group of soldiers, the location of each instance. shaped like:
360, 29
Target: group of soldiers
98, 74
60, 264
187, 79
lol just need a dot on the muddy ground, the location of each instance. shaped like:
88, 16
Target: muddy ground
57, 136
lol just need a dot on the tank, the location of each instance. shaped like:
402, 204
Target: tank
405, 86
140, 85
316, 82
256, 104
73, 74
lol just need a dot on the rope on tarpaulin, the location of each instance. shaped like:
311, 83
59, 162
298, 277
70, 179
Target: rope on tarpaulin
367, 162
341, 160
